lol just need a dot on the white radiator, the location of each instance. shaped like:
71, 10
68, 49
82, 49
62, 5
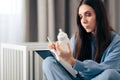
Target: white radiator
19, 62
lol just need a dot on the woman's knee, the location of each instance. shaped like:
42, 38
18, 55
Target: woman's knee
111, 74
108, 74
48, 63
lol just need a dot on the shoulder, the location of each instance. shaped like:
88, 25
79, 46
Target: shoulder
115, 41
115, 37
113, 50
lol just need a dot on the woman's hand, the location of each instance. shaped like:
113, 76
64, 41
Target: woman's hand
66, 55
51, 46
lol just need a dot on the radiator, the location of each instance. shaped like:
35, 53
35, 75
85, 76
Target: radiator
19, 62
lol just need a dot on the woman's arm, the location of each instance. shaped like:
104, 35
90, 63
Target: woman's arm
111, 60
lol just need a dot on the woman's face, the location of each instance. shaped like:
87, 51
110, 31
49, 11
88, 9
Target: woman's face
87, 18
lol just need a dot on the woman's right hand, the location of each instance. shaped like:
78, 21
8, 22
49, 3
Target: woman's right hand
51, 46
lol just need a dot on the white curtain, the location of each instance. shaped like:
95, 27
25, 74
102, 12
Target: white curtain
12, 28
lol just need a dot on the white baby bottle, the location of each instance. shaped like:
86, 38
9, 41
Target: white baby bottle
63, 39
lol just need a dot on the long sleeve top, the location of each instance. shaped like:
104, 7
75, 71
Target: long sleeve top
110, 59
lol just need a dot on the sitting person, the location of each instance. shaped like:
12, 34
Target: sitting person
94, 51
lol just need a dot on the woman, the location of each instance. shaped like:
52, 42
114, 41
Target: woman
95, 47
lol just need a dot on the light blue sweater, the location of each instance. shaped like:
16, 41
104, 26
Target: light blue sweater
110, 59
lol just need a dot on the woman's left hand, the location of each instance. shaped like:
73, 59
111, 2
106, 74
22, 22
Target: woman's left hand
65, 54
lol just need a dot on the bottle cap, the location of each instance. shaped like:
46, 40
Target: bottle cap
62, 35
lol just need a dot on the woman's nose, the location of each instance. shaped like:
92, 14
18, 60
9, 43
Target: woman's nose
84, 20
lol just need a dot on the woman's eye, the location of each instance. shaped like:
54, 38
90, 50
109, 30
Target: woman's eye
88, 14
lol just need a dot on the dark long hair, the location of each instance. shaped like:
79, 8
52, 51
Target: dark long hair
102, 37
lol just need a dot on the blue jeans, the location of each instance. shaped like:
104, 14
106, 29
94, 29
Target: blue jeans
54, 71
109, 74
